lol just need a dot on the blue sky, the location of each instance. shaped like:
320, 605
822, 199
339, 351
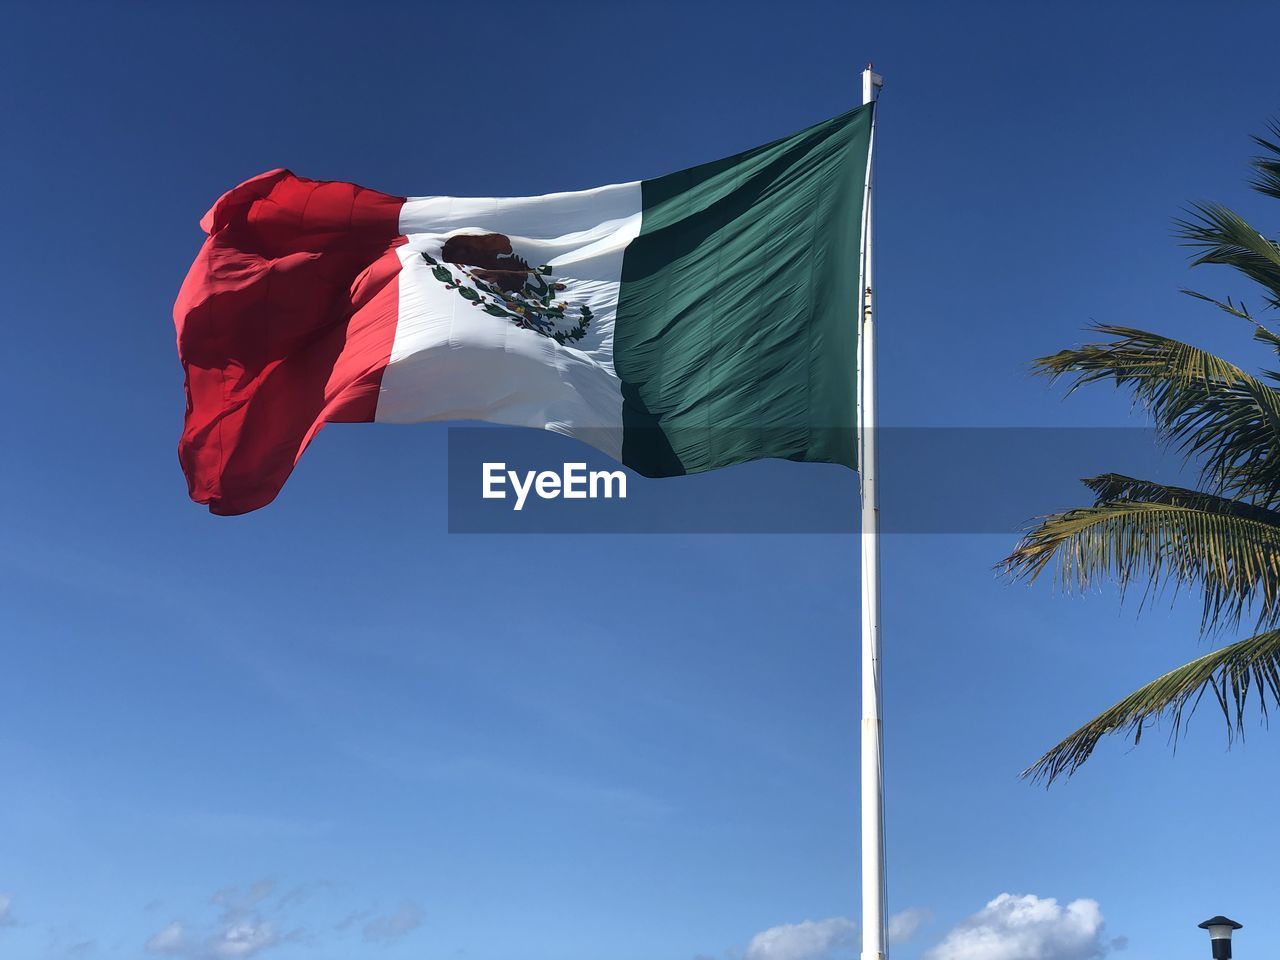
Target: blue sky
331, 729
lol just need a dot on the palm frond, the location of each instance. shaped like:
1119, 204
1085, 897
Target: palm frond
1113, 487
1205, 406
1230, 673
1223, 236
1227, 306
1261, 333
1223, 540
1164, 536
1267, 167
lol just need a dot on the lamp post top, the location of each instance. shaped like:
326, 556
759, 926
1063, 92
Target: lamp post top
1220, 921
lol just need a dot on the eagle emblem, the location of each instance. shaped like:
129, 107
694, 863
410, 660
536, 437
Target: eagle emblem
494, 278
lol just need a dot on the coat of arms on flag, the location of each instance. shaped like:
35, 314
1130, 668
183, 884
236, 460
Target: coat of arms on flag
501, 282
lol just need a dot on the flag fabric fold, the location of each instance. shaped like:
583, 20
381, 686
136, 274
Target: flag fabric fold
284, 322
679, 324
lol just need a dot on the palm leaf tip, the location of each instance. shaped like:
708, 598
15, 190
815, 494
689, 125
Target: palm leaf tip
1267, 165
1220, 235
1232, 674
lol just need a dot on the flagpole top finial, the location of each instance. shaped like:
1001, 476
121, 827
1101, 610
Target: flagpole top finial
871, 83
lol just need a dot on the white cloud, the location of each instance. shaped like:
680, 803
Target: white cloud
168, 940
243, 928
905, 925
6, 911
239, 923
393, 926
243, 938
1026, 928
810, 940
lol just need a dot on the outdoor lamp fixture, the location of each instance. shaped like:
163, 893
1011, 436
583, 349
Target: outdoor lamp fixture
1220, 930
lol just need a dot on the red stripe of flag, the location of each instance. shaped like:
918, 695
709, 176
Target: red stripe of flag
285, 322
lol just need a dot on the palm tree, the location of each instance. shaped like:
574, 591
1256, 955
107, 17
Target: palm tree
1221, 538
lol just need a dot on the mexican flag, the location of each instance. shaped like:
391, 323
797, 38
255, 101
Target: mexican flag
696, 320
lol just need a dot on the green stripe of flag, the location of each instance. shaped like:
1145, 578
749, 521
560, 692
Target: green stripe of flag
736, 334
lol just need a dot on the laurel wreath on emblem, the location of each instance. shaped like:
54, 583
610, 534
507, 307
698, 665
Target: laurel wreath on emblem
499, 282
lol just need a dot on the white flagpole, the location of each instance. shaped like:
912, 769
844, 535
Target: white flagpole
873, 874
